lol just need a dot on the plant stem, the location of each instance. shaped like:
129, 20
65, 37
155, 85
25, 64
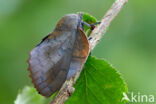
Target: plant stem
67, 88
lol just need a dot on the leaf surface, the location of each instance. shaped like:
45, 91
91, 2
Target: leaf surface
99, 83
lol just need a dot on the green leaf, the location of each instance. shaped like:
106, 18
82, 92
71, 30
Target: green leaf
29, 95
89, 18
99, 83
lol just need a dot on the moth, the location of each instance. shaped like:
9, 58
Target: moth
59, 55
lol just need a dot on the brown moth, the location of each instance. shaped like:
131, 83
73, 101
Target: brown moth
59, 55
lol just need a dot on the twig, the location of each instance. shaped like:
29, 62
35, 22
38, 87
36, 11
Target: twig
95, 36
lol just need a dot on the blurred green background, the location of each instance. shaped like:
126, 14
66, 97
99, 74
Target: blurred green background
129, 44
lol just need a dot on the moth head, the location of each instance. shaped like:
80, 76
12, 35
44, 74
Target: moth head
69, 22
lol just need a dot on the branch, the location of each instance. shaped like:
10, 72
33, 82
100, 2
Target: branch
67, 88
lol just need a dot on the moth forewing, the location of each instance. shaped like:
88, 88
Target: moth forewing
59, 55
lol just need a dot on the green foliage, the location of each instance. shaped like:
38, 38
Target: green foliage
29, 95
98, 83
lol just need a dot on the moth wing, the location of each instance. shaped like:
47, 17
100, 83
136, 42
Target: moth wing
80, 54
49, 62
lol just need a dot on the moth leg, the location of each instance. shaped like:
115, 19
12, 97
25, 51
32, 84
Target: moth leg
70, 90
92, 26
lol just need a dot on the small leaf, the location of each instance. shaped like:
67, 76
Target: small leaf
29, 95
98, 83
90, 20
